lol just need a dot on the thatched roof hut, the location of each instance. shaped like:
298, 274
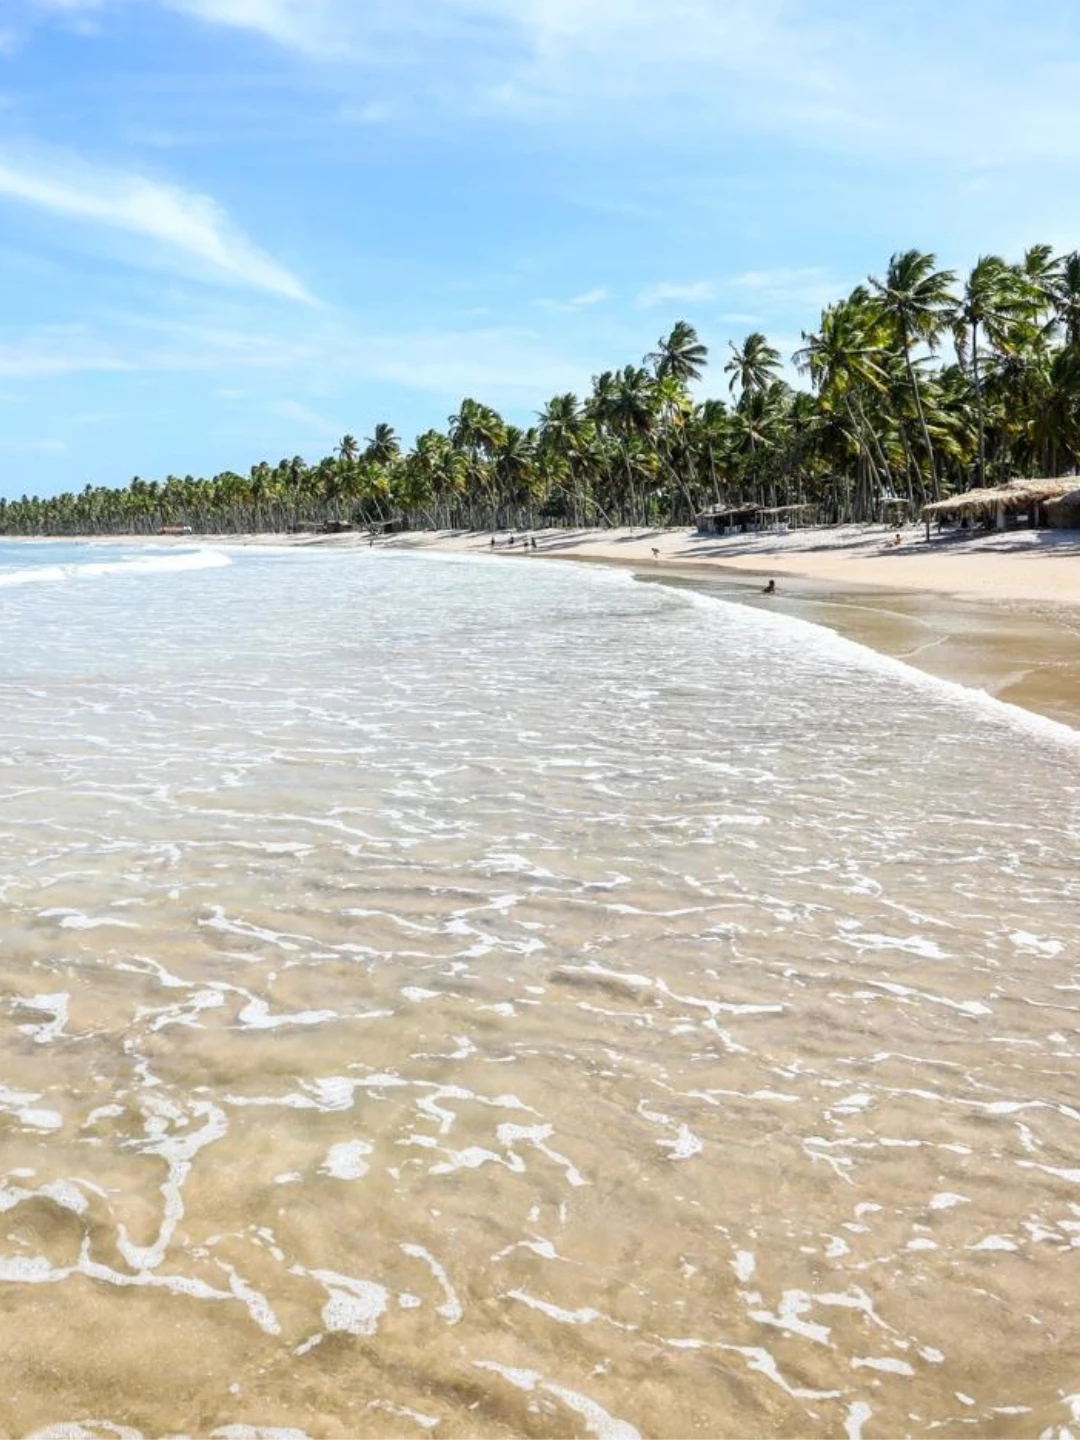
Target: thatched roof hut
999, 500
1064, 512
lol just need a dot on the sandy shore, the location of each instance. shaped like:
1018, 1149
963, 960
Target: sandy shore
1031, 565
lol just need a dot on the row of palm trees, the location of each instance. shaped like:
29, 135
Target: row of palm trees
921, 385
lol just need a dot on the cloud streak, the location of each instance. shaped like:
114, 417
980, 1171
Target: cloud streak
773, 66
696, 292
185, 226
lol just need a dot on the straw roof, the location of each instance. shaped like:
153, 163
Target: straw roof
1069, 501
1016, 495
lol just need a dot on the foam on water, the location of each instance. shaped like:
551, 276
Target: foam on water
453, 997
85, 568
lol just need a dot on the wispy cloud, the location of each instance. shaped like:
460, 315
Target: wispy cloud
187, 226
776, 66
785, 287
320, 425
503, 364
585, 301
34, 447
57, 350
315, 27
696, 292
589, 297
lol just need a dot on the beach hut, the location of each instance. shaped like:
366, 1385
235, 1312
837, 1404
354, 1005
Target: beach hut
723, 519
726, 519
1000, 505
1064, 512
780, 518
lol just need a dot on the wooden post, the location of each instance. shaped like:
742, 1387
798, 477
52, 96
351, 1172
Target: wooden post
927, 529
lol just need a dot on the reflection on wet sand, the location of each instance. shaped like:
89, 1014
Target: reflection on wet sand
1024, 653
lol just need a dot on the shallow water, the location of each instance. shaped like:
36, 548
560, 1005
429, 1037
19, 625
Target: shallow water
446, 997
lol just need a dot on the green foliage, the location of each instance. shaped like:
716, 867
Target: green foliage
884, 418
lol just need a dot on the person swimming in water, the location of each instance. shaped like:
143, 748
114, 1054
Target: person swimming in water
770, 588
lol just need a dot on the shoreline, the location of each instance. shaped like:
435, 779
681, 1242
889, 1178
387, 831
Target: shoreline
997, 613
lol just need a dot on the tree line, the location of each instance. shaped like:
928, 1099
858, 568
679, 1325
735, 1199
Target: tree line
921, 384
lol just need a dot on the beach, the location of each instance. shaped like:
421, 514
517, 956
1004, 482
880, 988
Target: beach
997, 612
1036, 566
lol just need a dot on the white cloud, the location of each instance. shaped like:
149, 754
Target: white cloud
186, 225
697, 292
315, 27
585, 301
778, 66
589, 297
57, 350
34, 447
791, 286
504, 365
373, 112
319, 425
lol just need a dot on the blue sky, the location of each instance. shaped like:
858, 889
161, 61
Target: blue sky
235, 229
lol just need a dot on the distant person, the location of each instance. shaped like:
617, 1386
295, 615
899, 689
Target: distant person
770, 588
493, 542
655, 553
511, 540
532, 542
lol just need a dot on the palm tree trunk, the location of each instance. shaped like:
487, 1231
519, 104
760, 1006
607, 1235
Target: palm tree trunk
977, 382
922, 418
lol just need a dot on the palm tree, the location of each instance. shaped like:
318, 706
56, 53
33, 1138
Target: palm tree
1065, 294
752, 366
915, 297
681, 356
382, 447
994, 302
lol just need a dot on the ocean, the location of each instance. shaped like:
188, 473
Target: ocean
495, 997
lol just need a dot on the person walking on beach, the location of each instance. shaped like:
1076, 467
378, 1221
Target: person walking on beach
655, 553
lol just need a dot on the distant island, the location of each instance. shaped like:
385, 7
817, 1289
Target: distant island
890, 424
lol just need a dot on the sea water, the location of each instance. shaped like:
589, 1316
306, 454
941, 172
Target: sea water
490, 997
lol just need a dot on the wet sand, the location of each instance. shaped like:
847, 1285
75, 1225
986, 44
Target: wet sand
999, 613
1026, 655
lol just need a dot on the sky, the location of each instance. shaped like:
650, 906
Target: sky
234, 230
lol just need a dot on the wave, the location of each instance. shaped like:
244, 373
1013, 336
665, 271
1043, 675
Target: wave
92, 570
829, 643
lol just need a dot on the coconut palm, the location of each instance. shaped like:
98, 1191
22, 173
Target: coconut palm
916, 298
681, 356
753, 365
993, 302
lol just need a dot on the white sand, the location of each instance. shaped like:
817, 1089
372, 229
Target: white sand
1032, 565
